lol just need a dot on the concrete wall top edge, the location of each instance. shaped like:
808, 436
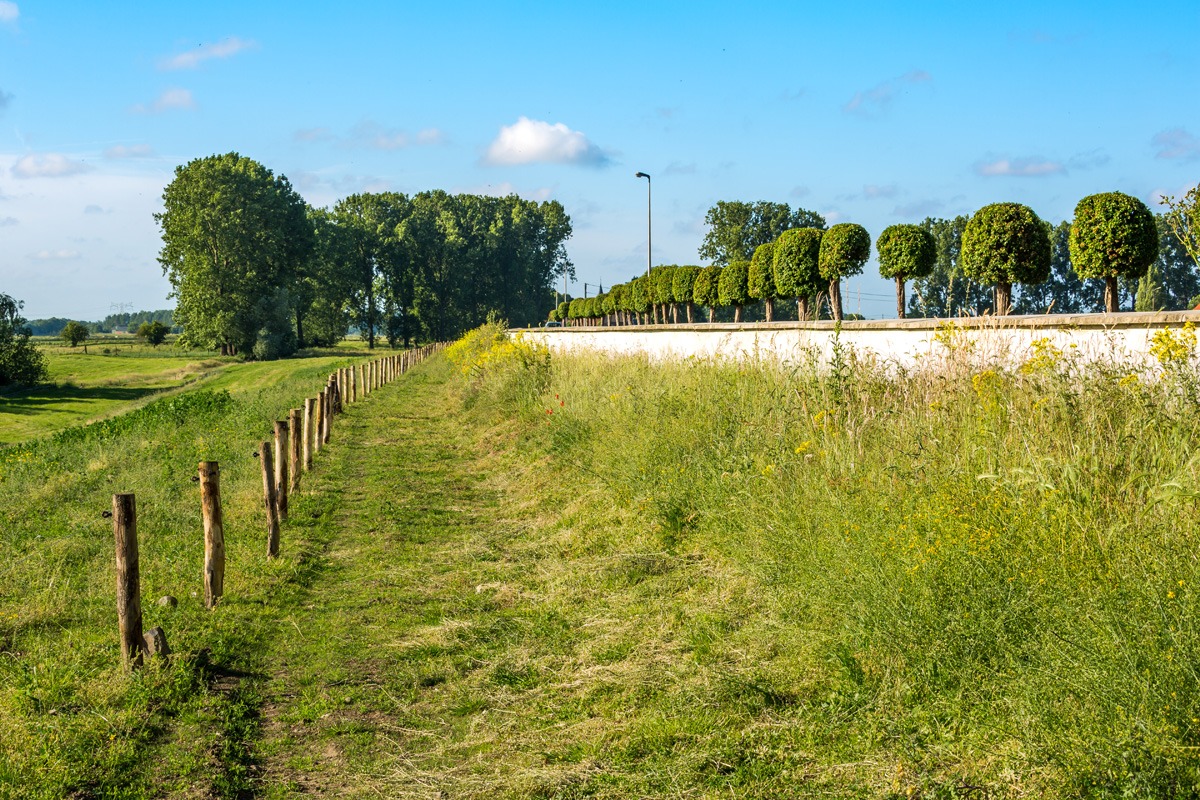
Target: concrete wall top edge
1126, 319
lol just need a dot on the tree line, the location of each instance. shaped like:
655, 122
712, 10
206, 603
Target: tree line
255, 270
1114, 251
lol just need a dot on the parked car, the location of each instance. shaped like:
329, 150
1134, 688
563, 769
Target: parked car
553, 323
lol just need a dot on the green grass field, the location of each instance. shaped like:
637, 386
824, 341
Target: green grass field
600, 577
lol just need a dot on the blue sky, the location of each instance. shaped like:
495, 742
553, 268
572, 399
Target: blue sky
869, 112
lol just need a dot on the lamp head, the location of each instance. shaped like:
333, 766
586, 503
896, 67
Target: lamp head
642, 175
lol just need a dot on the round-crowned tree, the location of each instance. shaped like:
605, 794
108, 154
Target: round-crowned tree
73, 333
660, 292
1113, 236
608, 305
1003, 244
905, 251
620, 294
845, 248
681, 287
761, 279
705, 290
639, 297
564, 309
732, 288
796, 272
573, 310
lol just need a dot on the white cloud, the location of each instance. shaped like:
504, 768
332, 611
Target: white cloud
679, 168
8, 222
9, 11
877, 99
47, 165
919, 208
369, 133
1176, 143
313, 135
1029, 167
170, 99
55, 255
430, 136
129, 151
190, 59
531, 141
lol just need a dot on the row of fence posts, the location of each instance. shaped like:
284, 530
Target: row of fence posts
296, 440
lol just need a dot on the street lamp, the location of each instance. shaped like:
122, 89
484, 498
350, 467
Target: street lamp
648, 228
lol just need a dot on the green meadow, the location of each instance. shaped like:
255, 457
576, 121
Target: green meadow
517, 575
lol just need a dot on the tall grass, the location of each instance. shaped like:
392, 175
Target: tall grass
967, 577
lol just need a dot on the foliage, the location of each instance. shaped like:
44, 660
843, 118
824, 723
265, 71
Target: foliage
20, 361
683, 283
1183, 219
502, 367
1003, 244
662, 280
760, 282
234, 236
75, 333
736, 229
844, 251
153, 333
639, 294
732, 286
706, 289
796, 262
1151, 296
1174, 349
906, 251
1113, 236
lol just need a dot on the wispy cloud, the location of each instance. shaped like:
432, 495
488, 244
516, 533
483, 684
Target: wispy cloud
190, 59
1027, 167
1176, 143
6, 99
873, 192
47, 165
170, 100
8, 222
119, 151
313, 135
679, 168
55, 255
371, 134
878, 98
92, 208
918, 209
531, 141
799, 191
9, 12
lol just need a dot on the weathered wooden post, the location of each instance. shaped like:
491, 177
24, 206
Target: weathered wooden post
318, 422
326, 415
352, 383
310, 411
214, 532
281, 470
129, 592
270, 499
295, 448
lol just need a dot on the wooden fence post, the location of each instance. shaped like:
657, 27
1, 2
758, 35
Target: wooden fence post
325, 415
214, 533
310, 411
129, 592
295, 448
281, 470
318, 422
270, 499
352, 382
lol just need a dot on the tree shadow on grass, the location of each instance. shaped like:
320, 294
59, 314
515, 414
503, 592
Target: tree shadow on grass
31, 400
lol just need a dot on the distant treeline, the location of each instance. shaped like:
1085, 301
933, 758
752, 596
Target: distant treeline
113, 323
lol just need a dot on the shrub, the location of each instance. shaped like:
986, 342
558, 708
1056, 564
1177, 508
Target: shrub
1003, 244
732, 287
682, 285
760, 282
796, 270
1113, 236
705, 289
905, 251
500, 367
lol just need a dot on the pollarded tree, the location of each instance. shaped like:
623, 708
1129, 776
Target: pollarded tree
1113, 236
681, 287
905, 251
563, 311
796, 272
736, 229
761, 279
73, 333
660, 289
705, 290
608, 305
1003, 244
732, 289
639, 297
845, 248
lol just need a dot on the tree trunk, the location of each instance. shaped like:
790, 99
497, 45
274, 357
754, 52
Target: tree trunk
769, 308
899, 297
835, 299
674, 313
689, 312
737, 313
712, 314
802, 308
299, 330
1003, 299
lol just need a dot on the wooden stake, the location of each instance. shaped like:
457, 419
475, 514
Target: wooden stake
270, 499
129, 592
296, 453
310, 410
281, 470
318, 423
214, 533
326, 413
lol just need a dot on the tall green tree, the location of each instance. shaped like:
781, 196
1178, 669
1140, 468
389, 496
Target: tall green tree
733, 287
1003, 244
20, 360
153, 333
661, 278
797, 267
736, 229
1113, 236
75, 333
682, 284
844, 251
760, 281
705, 290
1180, 276
905, 251
372, 254
234, 236
1183, 218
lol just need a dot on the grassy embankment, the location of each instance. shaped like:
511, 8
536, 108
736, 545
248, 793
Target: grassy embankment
599, 577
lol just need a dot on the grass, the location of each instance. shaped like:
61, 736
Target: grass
586, 576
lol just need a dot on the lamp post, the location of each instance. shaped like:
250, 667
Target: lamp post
649, 229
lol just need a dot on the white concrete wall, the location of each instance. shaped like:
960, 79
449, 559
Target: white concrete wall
1123, 337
